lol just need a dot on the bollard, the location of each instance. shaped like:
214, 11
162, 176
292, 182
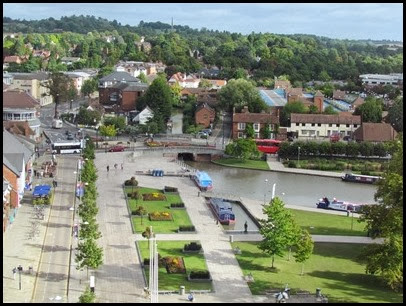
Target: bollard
181, 290
318, 292
30, 269
231, 238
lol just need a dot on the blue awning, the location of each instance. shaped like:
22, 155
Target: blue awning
41, 190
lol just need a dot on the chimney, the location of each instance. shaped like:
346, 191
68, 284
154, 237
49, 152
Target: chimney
234, 110
245, 110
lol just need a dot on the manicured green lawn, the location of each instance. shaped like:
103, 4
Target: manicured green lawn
249, 164
180, 217
333, 267
326, 224
173, 281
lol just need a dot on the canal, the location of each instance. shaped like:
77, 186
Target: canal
293, 189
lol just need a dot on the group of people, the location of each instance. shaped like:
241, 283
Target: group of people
115, 167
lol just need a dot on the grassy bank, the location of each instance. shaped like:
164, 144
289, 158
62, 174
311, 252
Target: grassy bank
333, 267
248, 164
180, 217
326, 224
173, 281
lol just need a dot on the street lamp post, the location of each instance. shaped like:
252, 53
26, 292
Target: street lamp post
223, 129
265, 185
71, 101
298, 156
20, 269
97, 134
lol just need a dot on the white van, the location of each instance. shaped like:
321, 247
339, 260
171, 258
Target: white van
57, 123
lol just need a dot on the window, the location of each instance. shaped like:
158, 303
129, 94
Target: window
16, 116
256, 127
240, 135
347, 125
337, 125
318, 124
205, 116
304, 132
355, 125
241, 126
313, 124
297, 124
312, 133
303, 124
256, 135
330, 125
271, 126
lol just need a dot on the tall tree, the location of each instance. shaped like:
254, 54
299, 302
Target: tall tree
249, 131
58, 86
276, 229
395, 115
386, 220
304, 248
371, 110
243, 149
87, 296
89, 255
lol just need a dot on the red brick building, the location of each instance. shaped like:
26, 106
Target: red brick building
375, 132
204, 115
258, 120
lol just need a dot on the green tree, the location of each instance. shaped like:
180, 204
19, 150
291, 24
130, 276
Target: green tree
370, 110
88, 117
266, 132
352, 149
87, 296
58, 86
395, 115
108, 130
275, 229
304, 248
240, 93
243, 149
204, 83
296, 107
249, 131
386, 220
118, 122
148, 234
89, 230
89, 86
143, 78
366, 148
88, 255
313, 109
329, 110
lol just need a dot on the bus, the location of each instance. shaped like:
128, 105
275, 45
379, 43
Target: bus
270, 146
57, 123
67, 147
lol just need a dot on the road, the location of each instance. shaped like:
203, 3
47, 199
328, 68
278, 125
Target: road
54, 268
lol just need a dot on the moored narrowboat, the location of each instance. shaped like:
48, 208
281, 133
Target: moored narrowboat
222, 210
203, 180
325, 203
358, 178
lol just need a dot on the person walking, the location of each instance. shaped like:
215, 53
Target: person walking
115, 166
108, 168
122, 167
245, 227
14, 272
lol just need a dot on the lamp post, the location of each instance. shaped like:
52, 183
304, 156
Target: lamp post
97, 133
222, 114
352, 218
71, 101
20, 269
298, 156
265, 185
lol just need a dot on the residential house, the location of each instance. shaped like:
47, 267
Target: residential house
7, 78
357, 102
395, 79
45, 54
110, 85
143, 116
375, 132
21, 128
15, 59
285, 85
338, 95
143, 45
258, 121
34, 84
297, 94
204, 115
217, 84
17, 171
185, 81
130, 94
19, 106
10, 197
78, 77
203, 95
319, 126
69, 60
117, 77
213, 72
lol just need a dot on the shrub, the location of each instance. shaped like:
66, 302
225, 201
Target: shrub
177, 205
187, 228
170, 189
291, 164
174, 264
140, 210
199, 275
193, 246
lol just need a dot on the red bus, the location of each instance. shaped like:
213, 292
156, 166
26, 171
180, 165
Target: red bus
268, 145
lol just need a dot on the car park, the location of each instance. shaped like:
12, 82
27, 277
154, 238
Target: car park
116, 149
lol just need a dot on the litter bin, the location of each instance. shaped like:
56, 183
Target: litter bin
182, 290
318, 292
30, 269
231, 238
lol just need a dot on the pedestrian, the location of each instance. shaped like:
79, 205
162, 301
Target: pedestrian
108, 168
115, 166
35, 173
198, 193
14, 272
245, 227
122, 167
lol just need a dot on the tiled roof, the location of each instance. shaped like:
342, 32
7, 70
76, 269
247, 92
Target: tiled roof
318, 94
321, 118
255, 118
206, 106
12, 59
375, 132
119, 76
297, 91
12, 145
30, 76
338, 94
358, 101
18, 128
19, 99
136, 87
218, 82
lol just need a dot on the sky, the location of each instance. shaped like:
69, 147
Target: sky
335, 20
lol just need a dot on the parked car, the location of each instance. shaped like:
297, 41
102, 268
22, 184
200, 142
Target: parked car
335, 137
116, 149
207, 131
69, 136
202, 135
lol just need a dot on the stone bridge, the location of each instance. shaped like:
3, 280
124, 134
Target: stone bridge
196, 153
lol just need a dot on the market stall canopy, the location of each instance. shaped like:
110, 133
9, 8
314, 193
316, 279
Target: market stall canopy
41, 190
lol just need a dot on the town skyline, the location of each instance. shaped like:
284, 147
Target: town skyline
359, 21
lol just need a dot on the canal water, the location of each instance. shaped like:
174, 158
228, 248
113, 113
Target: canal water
293, 189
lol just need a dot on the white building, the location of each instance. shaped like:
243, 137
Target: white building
143, 116
382, 79
184, 81
319, 126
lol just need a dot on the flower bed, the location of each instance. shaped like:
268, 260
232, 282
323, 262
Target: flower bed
155, 196
174, 264
199, 276
160, 216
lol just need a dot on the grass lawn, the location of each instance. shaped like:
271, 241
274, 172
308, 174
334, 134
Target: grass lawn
333, 268
180, 217
173, 281
326, 224
249, 164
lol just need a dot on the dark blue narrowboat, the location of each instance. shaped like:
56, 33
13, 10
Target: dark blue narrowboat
222, 210
358, 178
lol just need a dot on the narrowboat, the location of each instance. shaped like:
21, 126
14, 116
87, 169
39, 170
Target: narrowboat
222, 210
325, 203
203, 180
358, 178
